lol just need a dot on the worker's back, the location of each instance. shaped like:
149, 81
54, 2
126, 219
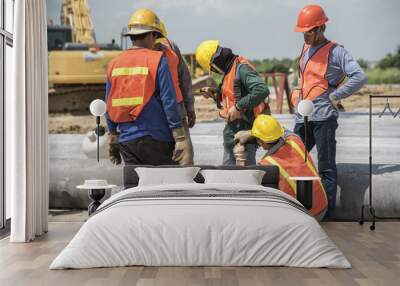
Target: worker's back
289, 157
136, 102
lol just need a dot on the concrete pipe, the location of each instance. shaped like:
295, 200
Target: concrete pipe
65, 175
89, 145
353, 180
352, 190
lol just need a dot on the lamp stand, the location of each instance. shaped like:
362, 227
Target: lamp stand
305, 137
98, 136
304, 193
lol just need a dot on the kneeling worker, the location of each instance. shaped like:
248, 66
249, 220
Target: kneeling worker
286, 150
141, 101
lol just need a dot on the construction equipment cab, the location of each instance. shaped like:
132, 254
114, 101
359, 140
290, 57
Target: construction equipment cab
72, 63
77, 64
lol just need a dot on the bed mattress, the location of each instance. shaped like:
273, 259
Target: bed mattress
201, 225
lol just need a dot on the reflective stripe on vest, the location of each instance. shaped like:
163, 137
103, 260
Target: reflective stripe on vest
228, 95
129, 101
312, 77
302, 154
132, 77
173, 64
282, 170
130, 71
290, 160
310, 163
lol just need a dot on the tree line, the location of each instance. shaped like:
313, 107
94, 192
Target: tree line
386, 70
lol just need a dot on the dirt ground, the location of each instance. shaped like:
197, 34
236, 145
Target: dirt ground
207, 111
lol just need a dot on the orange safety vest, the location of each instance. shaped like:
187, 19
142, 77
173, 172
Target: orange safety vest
228, 94
173, 63
133, 80
290, 160
313, 82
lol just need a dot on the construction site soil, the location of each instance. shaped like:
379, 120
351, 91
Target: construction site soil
78, 123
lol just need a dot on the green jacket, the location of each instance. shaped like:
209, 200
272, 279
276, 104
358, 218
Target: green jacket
254, 90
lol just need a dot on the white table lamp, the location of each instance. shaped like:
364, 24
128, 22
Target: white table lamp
305, 108
97, 108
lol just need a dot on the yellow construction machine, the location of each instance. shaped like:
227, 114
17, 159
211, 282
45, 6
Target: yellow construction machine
77, 64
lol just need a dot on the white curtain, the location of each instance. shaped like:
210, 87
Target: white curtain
26, 121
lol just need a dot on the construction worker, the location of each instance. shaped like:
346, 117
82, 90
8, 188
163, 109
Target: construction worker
323, 65
285, 150
182, 84
141, 101
241, 96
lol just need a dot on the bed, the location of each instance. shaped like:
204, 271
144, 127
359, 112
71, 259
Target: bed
201, 224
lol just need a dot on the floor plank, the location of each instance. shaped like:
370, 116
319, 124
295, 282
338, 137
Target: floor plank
375, 257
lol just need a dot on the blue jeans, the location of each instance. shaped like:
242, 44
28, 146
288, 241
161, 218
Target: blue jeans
323, 135
229, 159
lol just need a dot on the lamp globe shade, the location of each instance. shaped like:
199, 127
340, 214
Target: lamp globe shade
98, 107
305, 107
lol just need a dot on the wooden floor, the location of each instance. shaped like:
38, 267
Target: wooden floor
375, 257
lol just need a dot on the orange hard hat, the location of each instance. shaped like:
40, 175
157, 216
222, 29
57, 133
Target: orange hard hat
310, 16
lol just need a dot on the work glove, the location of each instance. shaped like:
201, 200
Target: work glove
336, 103
243, 137
113, 148
191, 116
182, 152
234, 114
208, 92
240, 154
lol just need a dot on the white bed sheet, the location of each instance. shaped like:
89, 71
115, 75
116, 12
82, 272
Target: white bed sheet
200, 231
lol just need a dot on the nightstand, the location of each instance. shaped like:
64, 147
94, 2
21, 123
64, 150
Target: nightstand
96, 191
304, 190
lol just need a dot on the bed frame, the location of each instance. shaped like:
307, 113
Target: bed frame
270, 179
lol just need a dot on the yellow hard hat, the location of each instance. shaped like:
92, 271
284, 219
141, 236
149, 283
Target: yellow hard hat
143, 21
163, 29
164, 33
205, 52
267, 128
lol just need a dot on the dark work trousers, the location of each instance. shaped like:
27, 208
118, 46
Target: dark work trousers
147, 151
323, 135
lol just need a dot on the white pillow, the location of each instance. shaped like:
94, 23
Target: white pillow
248, 177
163, 176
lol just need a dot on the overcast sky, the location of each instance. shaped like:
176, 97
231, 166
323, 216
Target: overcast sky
255, 28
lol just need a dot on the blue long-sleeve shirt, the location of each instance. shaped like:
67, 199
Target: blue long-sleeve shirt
158, 117
341, 64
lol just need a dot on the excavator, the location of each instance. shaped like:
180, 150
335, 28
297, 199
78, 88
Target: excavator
76, 63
